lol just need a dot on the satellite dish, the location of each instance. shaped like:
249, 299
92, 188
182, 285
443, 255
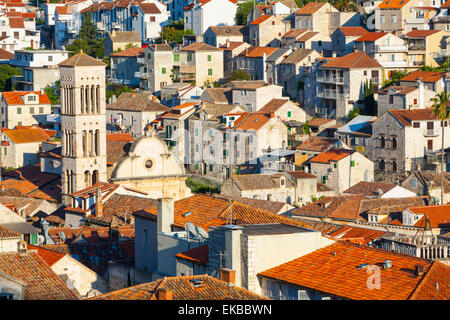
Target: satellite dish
190, 229
202, 232
41, 239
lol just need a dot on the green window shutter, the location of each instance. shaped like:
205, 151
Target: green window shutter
324, 181
4, 150
335, 165
196, 166
210, 72
289, 129
211, 168
225, 153
196, 132
148, 56
289, 114
176, 57
289, 142
163, 70
19, 110
33, 238
352, 163
209, 57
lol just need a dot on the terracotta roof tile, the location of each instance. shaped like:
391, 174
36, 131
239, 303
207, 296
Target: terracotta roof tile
6, 55
16, 22
392, 4
149, 8
273, 105
370, 188
438, 216
15, 97
334, 270
333, 154
421, 33
50, 257
301, 175
317, 144
199, 46
427, 76
310, 8
261, 19
353, 31
360, 236
407, 116
27, 135
227, 30
306, 36
435, 284
183, 289
41, 282
251, 121
198, 255
371, 36
352, 60
6, 233
81, 60
257, 52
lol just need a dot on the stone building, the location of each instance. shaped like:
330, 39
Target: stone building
82, 123
118, 40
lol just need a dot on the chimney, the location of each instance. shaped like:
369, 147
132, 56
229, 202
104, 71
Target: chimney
271, 115
418, 271
22, 247
165, 214
42, 92
228, 275
228, 43
98, 203
421, 90
165, 294
232, 256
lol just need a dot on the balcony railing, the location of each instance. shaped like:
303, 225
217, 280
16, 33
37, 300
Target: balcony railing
442, 19
431, 132
330, 94
331, 78
418, 47
416, 63
390, 48
141, 75
394, 64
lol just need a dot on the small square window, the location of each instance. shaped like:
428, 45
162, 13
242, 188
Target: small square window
210, 72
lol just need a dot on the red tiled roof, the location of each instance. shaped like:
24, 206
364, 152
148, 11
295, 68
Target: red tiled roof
353, 31
6, 233
257, 52
273, 105
371, 36
407, 116
435, 284
49, 256
301, 175
91, 234
352, 60
421, 33
392, 4
446, 5
64, 10
370, 188
16, 22
199, 255
131, 52
334, 270
317, 144
427, 76
260, 19
251, 121
439, 215
182, 288
149, 8
360, 236
333, 154
41, 282
27, 135
310, 8
15, 97
6, 55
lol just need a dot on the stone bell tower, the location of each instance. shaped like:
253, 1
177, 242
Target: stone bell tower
83, 123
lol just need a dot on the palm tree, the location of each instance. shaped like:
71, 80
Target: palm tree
441, 111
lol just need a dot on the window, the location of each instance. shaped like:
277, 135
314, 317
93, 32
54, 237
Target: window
5, 152
382, 142
382, 165
382, 19
50, 58
31, 110
394, 166
41, 110
211, 168
414, 182
31, 98
352, 163
196, 148
189, 57
394, 143
225, 153
394, 19
289, 114
210, 72
196, 132
415, 100
430, 145
391, 99
416, 124
145, 236
176, 57
163, 70
209, 57
19, 110
152, 19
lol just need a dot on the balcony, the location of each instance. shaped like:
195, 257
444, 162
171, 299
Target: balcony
330, 94
141, 75
442, 54
441, 19
416, 63
418, 20
330, 78
394, 64
390, 48
416, 47
431, 132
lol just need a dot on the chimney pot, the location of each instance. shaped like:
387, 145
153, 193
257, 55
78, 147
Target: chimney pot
165, 294
228, 275
419, 270
98, 203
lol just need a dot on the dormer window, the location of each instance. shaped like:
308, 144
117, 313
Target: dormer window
31, 98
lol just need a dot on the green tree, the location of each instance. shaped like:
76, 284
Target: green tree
394, 80
242, 12
6, 72
441, 111
77, 46
173, 35
353, 113
52, 93
239, 74
89, 40
370, 105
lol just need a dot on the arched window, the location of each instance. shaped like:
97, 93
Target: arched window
97, 142
86, 98
382, 165
92, 100
91, 143
394, 166
94, 177
97, 96
84, 142
82, 98
87, 179
394, 143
